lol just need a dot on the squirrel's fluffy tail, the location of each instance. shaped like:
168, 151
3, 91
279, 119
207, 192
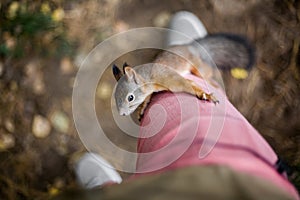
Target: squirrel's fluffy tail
226, 51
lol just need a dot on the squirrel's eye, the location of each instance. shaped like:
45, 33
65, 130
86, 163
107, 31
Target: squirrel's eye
130, 97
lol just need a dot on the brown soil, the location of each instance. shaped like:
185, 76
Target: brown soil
36, 168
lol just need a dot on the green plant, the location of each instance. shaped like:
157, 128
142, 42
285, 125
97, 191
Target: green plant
32, 28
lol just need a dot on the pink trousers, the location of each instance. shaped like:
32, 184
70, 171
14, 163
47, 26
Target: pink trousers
178, 130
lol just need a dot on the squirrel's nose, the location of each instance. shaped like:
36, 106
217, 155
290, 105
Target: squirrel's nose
122, 112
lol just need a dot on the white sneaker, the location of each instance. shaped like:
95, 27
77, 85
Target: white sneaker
188, 25
93, 171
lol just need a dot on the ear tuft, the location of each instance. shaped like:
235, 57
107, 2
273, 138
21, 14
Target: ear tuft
117, 72
124, 66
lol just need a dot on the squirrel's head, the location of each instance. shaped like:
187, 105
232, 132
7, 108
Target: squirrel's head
129, 91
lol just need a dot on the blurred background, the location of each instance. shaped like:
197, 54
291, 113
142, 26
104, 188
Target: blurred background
42, 44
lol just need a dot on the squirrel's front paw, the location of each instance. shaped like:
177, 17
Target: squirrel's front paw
209, 97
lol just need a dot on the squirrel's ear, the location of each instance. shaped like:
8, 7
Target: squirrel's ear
117, 72
131, 74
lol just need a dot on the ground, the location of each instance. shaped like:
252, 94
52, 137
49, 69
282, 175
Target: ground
38, 139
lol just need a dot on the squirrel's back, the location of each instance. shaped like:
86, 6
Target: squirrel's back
179, 58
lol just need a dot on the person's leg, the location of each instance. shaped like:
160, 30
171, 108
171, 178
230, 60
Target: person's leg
197, 125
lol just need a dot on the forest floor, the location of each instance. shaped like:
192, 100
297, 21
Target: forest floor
38, 139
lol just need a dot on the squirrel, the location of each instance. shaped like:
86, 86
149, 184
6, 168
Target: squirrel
136, 85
